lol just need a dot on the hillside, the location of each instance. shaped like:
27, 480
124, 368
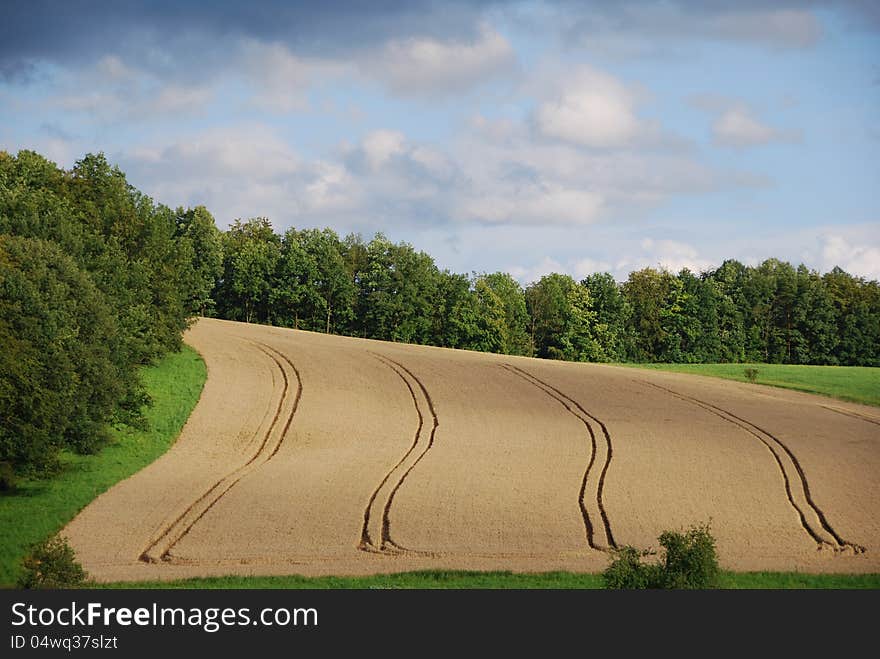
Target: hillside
316, 454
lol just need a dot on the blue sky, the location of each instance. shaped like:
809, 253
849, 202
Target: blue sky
526, 137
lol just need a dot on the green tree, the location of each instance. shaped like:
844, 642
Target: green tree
856, 304
202, 242
562, 319
698, 323
516, 338
397, 292
131, 252
612, 314
63, 375
250, 255
454, 311
116, 234
648, 293
468, 314
731, 309
759, 290
312, 281
816, 320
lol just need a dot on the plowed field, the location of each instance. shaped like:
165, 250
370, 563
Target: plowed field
316, 454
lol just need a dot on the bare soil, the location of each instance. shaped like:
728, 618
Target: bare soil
315, 454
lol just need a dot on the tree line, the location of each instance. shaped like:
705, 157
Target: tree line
97, 279
775, 312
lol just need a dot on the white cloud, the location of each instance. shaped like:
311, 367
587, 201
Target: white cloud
738, 127
663, 253
514, 176
279, 79
249, 152
434, 162
669, 254
862, 259
111, 90
542, 204
381, 145
735, 123
592, 109
176, 99
330, 189
528, 274
421, 65
237, 171
587, 266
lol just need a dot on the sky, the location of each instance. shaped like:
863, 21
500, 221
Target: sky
527, 137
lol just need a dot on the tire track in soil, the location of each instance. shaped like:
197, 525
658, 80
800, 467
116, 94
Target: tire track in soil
577, 411
853, 415
160, 547
406, 464
825, 536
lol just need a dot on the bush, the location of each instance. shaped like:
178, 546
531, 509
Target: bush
751, 374
628, 572
7, 477
51, 564
689, 562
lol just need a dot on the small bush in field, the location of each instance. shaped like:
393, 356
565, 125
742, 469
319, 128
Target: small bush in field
751, 374
7, 478
689, 561
627, 571
51, 564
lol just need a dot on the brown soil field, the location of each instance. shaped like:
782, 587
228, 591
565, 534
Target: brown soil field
314, 454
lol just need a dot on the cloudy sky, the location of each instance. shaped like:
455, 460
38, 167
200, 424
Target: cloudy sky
530, 137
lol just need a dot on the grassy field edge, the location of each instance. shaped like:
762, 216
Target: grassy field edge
39, 508
855, 384
499, 580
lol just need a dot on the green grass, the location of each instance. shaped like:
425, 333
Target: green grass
40, 508
859, 384
503, 580
754, 580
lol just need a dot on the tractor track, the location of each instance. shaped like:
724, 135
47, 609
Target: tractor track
577, 411
782, 454
160, 547
421, 436
852, 415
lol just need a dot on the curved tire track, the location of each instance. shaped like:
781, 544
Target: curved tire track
797, 488
377, 525
590, 482
161, 545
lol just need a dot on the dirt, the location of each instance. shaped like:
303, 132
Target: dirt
314, 454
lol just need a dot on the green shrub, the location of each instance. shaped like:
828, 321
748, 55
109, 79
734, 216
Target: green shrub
751, 374
689, 561
51, 564
7, 477
628, 572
